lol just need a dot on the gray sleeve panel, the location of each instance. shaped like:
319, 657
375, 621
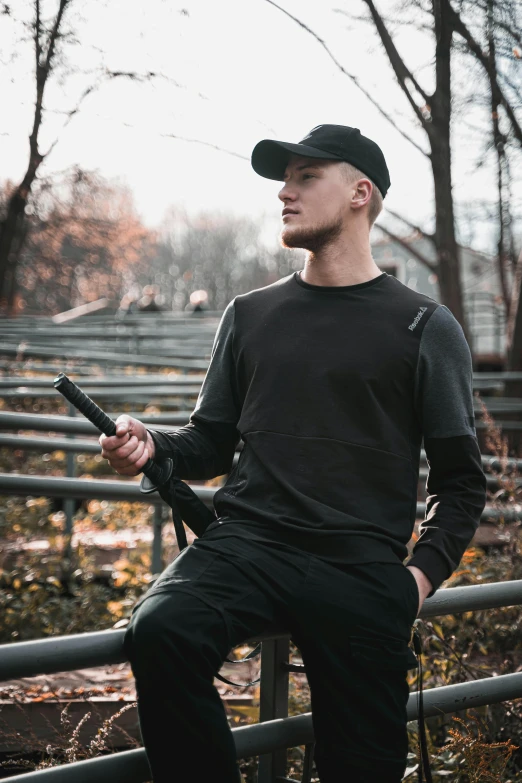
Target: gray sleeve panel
218, 397
204, 448
444, 378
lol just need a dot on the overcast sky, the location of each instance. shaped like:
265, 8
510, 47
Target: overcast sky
245, 72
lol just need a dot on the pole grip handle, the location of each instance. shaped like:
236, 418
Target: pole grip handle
82, 402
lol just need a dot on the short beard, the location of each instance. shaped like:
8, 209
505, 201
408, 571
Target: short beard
312, 239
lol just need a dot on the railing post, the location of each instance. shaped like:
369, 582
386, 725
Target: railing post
273, 702
68, 503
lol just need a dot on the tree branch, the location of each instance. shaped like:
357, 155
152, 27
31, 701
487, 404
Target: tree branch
51, 46
70, 114
108, 75
205, 144
499, 23
397, 22
407, 245
37, 33
460, 28
402, 73
353, 78
411, 225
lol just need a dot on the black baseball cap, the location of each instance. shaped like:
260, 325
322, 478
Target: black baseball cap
327, 142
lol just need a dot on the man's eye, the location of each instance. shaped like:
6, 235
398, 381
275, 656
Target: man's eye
307, 175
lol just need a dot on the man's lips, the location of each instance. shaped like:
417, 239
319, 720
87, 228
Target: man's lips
289, 213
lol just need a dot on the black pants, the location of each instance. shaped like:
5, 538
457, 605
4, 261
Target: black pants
352, 625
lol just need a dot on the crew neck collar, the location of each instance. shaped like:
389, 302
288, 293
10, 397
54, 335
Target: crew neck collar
332, 288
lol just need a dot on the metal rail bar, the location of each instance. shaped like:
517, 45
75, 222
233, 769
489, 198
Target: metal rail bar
132, 765
62, 487
93, 447
79, 651
41, 422
269, 736
101, 381
106, 392
90, 371
33, 421
125, 380
44, 423
497, 406
100, 357
49, 444
53, 486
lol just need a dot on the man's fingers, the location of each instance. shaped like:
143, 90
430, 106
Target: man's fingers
110, 444
132, 460
126, 451
136, 451
142, 460
120, 455
135, 467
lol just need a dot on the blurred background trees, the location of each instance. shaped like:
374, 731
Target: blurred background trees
83, 240
71, 237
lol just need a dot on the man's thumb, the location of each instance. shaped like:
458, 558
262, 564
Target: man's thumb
123, 425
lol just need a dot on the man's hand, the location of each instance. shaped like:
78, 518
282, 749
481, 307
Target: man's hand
131, 447
424, 585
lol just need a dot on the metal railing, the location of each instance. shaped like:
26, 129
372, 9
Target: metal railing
53, 423
121, 490
107, 489
64, 424
125, 381
270, 738
480, 380
92, 447
276, 731
70, 488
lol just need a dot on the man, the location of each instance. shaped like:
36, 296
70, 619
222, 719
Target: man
331, 377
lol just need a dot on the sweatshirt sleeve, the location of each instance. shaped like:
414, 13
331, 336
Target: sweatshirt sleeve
205, 447
456, 483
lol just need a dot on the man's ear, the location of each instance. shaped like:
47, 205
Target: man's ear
362, 193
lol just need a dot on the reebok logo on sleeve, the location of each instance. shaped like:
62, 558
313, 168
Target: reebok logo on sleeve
417, 318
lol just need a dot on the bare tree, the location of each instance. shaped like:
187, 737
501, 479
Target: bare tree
49, 38
434, 116
11, 230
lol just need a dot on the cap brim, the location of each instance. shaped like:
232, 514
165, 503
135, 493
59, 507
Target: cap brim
270, 158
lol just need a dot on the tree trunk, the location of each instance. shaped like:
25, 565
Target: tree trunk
445, 241
514, 352
12, 233
11, 229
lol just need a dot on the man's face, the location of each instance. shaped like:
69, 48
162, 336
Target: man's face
316, 196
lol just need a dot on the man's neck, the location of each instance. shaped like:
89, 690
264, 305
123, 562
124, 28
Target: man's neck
340, 264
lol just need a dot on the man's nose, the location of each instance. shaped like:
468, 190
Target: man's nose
287, 193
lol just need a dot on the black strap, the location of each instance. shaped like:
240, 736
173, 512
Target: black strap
181, 535
237, 684
252, 654
424, 771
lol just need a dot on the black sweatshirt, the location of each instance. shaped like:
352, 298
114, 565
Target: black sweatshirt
332, 390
